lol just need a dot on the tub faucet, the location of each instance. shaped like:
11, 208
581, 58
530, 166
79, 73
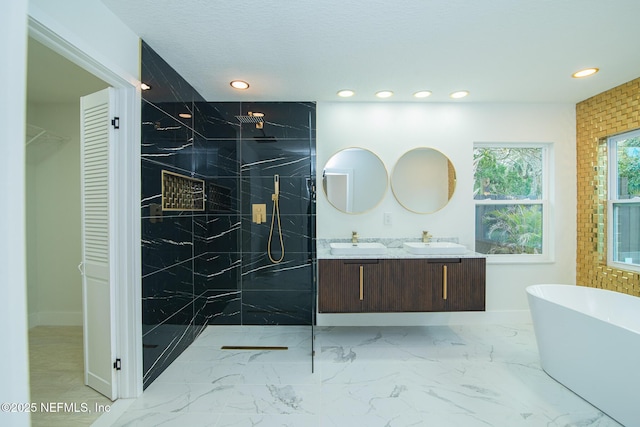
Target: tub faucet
354, 237
426, 237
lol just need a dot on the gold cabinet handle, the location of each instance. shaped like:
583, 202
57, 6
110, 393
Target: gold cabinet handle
444, 282
361, 283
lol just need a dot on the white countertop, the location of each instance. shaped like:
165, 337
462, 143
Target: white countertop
394, 250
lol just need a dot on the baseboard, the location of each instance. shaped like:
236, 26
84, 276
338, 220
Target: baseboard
55, 318
424, 319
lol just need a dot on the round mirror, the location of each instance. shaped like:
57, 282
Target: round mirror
354, 180
423, 180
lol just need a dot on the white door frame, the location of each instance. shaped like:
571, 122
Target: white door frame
126, 182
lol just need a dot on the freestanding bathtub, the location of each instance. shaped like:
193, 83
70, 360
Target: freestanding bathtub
589, 340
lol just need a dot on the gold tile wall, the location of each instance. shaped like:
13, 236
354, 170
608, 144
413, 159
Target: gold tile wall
609, 113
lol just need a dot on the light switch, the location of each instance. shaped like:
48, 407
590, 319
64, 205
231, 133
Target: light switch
259, 212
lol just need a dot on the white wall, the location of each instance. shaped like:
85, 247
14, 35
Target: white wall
391, 129
14, 376
54, 217
94, 31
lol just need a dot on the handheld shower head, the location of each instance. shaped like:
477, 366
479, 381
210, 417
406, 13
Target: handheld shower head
276, 214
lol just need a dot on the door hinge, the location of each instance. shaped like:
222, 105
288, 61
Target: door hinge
117, 365
115, 122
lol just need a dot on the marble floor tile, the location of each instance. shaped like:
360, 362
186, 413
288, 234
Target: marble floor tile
470, 375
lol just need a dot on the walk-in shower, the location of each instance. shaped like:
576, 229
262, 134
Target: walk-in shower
208, 264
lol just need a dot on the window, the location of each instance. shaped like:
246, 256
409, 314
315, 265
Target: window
511, 200
624, 201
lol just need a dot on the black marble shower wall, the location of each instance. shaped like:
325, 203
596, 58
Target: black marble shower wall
238, 163
210, 267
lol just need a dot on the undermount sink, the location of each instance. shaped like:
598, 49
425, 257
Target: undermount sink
364, 248
434, 248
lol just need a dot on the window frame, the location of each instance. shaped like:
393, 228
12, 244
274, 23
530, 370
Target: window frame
613, 200
546, 255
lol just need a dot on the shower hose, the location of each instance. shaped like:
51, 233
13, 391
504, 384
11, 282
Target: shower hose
275, 213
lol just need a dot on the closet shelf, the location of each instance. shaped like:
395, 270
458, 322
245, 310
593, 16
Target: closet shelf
35, 133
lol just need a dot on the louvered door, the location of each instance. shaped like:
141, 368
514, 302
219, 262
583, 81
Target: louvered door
98, 289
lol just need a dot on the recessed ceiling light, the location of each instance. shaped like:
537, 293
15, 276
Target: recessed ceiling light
185, 115
239, 84
144, 86
584, 73
346, 93
384, 94
459, 94
422, 94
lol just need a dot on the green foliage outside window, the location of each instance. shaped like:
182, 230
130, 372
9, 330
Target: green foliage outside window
628, 152
515, 229
508, 173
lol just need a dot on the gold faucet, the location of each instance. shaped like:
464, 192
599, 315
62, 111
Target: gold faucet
426, 237
354, 237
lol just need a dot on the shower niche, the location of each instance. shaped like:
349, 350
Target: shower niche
181, 193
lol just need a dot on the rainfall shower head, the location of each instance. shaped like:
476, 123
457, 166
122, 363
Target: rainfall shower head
257, 118
249, 119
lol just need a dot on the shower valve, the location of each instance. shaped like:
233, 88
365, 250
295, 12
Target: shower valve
259, 213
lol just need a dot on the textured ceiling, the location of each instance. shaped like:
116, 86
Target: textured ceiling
499, 50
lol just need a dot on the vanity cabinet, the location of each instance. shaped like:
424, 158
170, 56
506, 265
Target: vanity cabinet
415, 285
401, 285
356, 286
457, 284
